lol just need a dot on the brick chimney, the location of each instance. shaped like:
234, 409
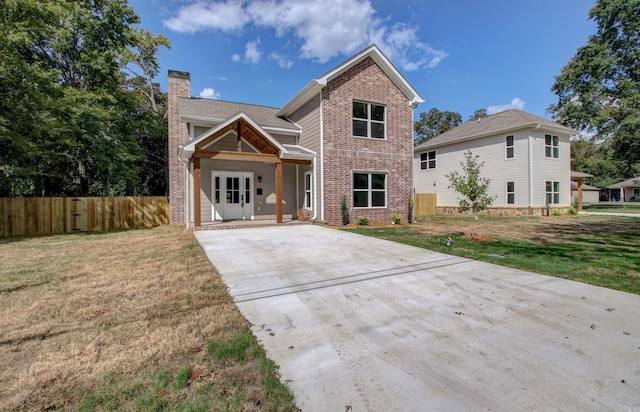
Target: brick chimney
179, 85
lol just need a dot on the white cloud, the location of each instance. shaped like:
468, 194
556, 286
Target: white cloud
209, 93
283, 61
226, 15
401, 44
236, 58
251, 53
324, 28
516, 103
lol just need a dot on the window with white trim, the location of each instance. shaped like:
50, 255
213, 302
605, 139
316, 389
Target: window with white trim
369, 190
307, 190
551, 146
428, 160
552, 192
511, 193
510, 147
369, 120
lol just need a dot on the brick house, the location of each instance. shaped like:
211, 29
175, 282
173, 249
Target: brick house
348, 133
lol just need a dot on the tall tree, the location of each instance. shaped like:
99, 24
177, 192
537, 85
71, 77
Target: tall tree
70, 121
599, 88
434, 123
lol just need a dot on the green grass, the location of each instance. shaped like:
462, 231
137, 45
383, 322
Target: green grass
614, 207
235, 360
603, 259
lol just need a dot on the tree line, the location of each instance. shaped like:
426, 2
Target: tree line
79, 111
598, 94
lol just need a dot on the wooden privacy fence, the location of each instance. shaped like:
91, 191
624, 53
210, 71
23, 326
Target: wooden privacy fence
424, 204
27, 216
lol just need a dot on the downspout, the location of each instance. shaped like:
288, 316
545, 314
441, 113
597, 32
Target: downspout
188, 171
321, 161
314, 191
530, 159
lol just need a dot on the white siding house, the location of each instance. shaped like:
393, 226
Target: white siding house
526, 157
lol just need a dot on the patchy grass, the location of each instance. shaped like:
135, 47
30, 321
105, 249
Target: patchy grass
124, 321
600, 251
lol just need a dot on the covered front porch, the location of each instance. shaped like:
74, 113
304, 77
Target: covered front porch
239, 172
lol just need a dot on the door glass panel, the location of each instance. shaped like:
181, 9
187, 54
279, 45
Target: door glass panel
247, 190
233, 190
217, 190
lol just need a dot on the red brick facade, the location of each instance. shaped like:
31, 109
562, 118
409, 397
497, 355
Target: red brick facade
179, 86
345, 154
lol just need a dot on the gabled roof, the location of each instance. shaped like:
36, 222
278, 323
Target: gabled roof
316, 85
186, 151
589, 188
503, 122
211, 112
626, 183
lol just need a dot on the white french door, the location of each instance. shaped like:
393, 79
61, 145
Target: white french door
232, 195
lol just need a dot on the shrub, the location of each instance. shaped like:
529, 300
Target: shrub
572, 211
556, 212
345, 210
395, 218
410, 211
363, 221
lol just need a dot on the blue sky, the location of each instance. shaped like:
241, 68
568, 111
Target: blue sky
460, 55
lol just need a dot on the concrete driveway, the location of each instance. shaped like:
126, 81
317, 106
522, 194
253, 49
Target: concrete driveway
378, 326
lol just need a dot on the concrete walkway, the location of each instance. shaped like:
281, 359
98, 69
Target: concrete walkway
378, 326
637, 215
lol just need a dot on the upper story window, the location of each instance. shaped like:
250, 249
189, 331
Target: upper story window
428, 160
369, 120
510, 153
551, 146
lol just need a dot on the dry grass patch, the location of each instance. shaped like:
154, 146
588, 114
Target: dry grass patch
119, 321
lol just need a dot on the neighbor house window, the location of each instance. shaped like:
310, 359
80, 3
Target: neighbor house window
511, 193
369, 190
307, 190
368, 120
428, 160
551, 146
510, 147
553, 192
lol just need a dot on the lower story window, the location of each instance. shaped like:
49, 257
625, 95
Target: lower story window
553, 192
511, 193
369, 190
307, 190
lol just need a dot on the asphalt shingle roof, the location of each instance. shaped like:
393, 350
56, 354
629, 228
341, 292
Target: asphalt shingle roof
504, 121
220, 110
626, 183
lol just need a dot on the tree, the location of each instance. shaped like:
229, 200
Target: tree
599, 88
433, 123
471, 186
478, 114
71, 123
597, 160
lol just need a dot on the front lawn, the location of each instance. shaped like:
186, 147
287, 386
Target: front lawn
127, 321
602, 251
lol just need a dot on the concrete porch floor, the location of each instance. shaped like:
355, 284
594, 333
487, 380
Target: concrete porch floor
239, 224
